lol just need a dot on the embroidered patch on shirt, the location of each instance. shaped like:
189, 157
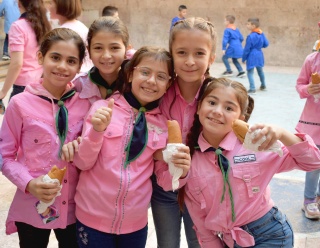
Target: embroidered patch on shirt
244, 158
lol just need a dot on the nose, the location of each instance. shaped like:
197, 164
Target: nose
189, 61
152, 78
62, 65
217, 110
106, 54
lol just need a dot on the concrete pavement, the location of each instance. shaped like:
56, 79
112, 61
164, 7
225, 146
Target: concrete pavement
279, 105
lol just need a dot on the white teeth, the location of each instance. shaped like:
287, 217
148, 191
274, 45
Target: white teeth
148, 90
60, 75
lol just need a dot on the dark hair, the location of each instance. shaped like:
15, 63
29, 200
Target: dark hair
158, 53
193, 23
62, 34
70, 9
182, 7
36, 15
245, 101
109, 24
230, 18
254, 21
109, 10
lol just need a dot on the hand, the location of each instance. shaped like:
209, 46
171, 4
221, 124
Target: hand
313, 88
271, 132
68, 150
182, 159
102, 117
223, 52
44, 192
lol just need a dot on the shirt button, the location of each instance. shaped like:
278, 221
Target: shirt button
64, 202
65, 181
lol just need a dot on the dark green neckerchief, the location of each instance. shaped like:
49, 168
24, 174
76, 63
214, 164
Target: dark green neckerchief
225, 168
139, 137
97, 79
61, 116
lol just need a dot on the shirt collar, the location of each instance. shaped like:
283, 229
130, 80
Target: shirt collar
228, 143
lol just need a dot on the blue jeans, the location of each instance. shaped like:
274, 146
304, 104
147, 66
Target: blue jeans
271, 230
261, 76
5, 45
235, 62
92, 238
167, 219
312, 185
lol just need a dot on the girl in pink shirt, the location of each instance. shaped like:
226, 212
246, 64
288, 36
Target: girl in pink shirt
24, 39
227, 192
36, 125
121, 137
192, 44
108, 40
67, 13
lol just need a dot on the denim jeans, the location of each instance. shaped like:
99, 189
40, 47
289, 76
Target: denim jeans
16, 89
312, 185
261, 76
271, 230
30, 236
235, 62
167, 219
5, 45
92, 238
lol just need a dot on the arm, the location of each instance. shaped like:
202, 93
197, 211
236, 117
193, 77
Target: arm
225, 40
13, 72
247, 49
93, 130
265, 41
304, 78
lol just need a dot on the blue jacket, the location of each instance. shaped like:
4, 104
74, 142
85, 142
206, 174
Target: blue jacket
10, 10
234, 38
252, 52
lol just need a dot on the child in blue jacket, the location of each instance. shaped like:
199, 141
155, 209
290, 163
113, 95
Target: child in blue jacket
232, 47
253, 54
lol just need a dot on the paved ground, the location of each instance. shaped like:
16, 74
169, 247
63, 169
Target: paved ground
279, 105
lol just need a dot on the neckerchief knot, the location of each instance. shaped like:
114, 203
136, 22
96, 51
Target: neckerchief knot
61, 116
139, 136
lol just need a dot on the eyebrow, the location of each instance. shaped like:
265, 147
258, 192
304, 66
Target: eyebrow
145, 67
216, 98
59, 54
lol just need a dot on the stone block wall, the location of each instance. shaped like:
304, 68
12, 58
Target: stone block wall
290, 25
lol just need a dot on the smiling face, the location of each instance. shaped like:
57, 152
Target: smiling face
216, 113
150, 80
191, 51
107, 52
60, 65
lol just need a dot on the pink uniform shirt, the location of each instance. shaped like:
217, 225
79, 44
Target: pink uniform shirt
109, 197
30, 146
249, 177
309, 121
23, 39
88, 90
175, 107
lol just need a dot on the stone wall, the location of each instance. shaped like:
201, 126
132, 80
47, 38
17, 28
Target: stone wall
290, 25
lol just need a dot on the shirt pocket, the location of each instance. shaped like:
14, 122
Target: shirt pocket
113, 138
197, 187
248, 180
37, 150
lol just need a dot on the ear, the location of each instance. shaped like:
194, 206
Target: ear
242, 117
40, 58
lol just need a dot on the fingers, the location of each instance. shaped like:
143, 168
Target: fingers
69, 150
268, 132
182, 159
111, 103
